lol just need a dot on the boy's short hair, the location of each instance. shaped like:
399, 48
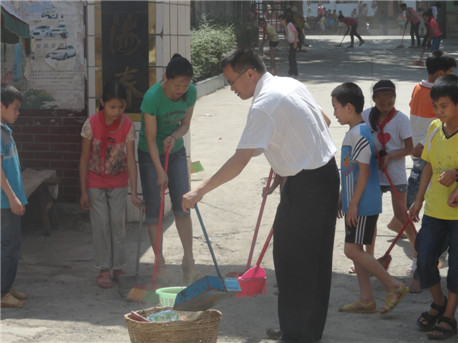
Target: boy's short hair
281, 16
243, 58
403, 5
445, 86
262, 21
439, 61
9, 94
349, 93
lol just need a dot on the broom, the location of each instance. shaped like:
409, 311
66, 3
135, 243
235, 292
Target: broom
420, 62
385, 260
147, 292
402, 40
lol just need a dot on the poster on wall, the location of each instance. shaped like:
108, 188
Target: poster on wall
54, 74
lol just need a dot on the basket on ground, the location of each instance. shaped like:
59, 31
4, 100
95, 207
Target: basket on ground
167, 295
204, 329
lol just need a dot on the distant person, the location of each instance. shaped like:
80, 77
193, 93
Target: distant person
435, 9
352, 26
439, 225
414, 19
291, 36
360, 202
269, 33
107, 164
433, 33
296, 141
13, 199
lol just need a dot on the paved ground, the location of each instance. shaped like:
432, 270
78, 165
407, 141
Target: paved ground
56, 271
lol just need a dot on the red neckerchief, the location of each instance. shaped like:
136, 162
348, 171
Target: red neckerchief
381, 135
104, 139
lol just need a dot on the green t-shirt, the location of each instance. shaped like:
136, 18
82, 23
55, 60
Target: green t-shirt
168, 115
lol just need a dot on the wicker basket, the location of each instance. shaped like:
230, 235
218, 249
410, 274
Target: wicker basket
201, 330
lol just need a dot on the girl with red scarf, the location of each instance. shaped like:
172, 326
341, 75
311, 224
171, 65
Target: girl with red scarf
393, 142
107, 164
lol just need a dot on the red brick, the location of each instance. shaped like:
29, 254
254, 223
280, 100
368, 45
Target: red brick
62, 130
72, 173
73, 138
48, 138
65, 164
35, 129
65, 147
48, 155
47, 121
21, 137
75, 156
75, 121
23, 155
35, 146
36, 164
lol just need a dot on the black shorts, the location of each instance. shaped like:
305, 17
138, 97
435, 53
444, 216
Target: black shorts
273, 44
363, 232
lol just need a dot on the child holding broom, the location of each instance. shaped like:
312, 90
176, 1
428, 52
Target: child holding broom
107, 163
440, 220
361, 201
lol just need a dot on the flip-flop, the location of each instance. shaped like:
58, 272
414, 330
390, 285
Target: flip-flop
18, 294
104, 279
390, 302
10, 301
359, 307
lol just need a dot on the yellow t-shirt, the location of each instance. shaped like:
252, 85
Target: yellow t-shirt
442, 153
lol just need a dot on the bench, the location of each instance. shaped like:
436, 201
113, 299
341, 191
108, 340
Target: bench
43, 185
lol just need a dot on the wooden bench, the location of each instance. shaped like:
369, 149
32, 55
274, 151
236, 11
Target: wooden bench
44, 185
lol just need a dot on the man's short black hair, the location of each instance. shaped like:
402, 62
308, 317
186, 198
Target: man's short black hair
439, 61
9, 94
349, 93
445, 86
244, 58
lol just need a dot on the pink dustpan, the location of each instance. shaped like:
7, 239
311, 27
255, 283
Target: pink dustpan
253, 282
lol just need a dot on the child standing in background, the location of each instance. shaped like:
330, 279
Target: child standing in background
13, 199
291, 35
361, 201
393, 142
107, 164
269, 33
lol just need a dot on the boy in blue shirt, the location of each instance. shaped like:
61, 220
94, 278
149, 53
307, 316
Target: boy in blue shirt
13, 199
361, 201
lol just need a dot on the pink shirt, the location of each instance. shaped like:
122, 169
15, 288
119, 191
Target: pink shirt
412, 16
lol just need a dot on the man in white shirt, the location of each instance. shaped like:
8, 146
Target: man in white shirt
285, 123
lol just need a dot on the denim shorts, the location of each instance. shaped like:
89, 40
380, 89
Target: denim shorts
399, 188
178, 183
429, 244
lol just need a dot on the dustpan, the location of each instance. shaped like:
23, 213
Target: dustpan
205, 292
253, 282
256, 229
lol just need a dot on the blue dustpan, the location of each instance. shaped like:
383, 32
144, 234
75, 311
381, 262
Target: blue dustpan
204, 293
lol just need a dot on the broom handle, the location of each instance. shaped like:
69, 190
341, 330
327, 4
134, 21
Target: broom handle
258, 222
207, 240
398, 198
397, 238
159, 224
264, 248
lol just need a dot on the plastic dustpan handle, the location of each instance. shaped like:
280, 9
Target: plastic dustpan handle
207, 239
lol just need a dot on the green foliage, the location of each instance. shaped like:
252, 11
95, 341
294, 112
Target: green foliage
210, 42
37, 99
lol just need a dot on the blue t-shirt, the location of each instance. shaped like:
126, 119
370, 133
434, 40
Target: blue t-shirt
11, 167
358, 146
168, 115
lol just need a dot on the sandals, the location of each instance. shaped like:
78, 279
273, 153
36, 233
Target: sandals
10, 301
430, 318
444, 332
18, 294
390, 301
359, 307
104, 279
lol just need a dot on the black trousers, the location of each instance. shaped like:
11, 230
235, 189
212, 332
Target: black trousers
304, 230
414, 33
292, 70
353, 33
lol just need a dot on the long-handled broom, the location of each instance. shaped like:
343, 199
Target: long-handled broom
385, 260
402, 40
420, 62
147, 292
